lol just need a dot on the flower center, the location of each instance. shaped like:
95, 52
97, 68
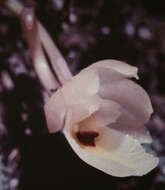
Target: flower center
87, 138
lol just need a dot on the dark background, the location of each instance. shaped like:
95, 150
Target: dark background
85, 32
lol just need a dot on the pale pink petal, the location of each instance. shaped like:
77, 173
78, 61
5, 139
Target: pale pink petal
80, 95
107, 76
85, 108
119, 66
55, 110
129, 124
130, 96
108, 112
139, 133
81, 86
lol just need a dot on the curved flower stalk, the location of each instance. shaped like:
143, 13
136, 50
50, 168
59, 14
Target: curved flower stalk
39, 40
103, 113
40, 43
31, 33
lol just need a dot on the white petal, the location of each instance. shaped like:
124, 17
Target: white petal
139, 133
81, 86
108, 112
130, 96
85, 108
55, 110
127, 123
118, 66
126, 151
116, 154
80, 94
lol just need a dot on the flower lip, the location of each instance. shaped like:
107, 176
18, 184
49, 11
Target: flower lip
87, 138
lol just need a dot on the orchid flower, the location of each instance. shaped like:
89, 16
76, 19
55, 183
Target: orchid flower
103, 113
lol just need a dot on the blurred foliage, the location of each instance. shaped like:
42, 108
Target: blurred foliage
4, 180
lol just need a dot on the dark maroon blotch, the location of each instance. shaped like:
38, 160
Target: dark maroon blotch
87, 138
